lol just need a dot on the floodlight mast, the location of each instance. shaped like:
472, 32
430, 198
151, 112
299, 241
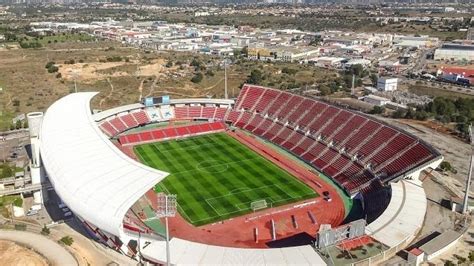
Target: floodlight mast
166, 208
465, 205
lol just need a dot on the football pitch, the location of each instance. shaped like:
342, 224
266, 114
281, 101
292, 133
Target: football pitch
215, 177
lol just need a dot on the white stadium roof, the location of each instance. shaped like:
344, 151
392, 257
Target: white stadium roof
191, 253
94, 178
403, 217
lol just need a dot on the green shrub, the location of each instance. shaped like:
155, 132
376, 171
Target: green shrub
66, 240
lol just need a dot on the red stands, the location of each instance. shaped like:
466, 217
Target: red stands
121, 123
118, 124
293, 140
129, 121
242, 95
158, 134
273, 131
282, 136
181, 112
182, 131
414, 156
338, 121
340, 164
354, 123
328, 114
301, 109
195, 111
252, 97
290, 107
146, 136
220, 113
267, 98
314, 152
254, 122
303, 146
134, 138
380, 138
266, 124
362, 135
141, 117
217, 126
244, 119
279, 102
387, 150
169, 133
395, 146
233, 116
109, 129
208, 112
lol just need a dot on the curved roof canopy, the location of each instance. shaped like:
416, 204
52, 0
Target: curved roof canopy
93, 177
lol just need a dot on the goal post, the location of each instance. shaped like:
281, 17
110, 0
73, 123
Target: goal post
258, 205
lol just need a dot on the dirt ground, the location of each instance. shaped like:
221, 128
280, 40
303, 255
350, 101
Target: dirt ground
12, 254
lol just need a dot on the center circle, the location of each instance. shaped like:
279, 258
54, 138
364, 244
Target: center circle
212, 166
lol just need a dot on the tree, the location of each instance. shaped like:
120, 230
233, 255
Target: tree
357, 70
210, 73
324, 90
289, 71
449, 263
255, 77
197, 78
374, 78
445, 166
53, 69
67, 240
245, 51
18, 124
49, 64
377, 110
45, 230
6, 171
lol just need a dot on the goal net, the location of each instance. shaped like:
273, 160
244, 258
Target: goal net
258, 205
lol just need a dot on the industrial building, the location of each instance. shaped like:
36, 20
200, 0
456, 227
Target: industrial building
455, 52
387, 84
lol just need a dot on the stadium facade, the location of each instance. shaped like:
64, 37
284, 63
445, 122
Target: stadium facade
100, 183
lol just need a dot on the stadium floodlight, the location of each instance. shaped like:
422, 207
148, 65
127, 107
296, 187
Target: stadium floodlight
166, 208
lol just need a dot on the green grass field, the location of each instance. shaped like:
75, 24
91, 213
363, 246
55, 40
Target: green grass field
216, 177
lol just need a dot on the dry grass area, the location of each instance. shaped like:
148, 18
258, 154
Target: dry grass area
27, 85
12, 254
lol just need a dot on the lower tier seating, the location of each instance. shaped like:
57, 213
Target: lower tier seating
171, 132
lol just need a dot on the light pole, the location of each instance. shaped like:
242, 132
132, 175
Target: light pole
465, 205
225, 79
166, 208
226, 62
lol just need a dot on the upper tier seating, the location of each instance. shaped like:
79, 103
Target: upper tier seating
353, 149
203, 112
120, 123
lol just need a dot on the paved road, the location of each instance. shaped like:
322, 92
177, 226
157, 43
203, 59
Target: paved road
55, 253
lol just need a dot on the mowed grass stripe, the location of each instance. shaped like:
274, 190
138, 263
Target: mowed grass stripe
223, 184
216, 177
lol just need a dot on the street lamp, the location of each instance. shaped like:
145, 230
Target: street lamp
166, 208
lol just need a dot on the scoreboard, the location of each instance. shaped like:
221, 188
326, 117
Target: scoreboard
151, 101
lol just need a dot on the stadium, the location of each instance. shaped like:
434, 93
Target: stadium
268, 178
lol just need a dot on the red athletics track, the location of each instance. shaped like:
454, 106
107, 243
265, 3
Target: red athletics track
239, 231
